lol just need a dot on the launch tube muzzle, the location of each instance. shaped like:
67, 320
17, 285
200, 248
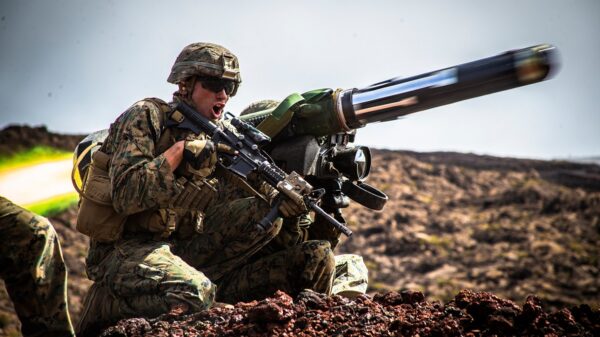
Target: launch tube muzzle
398, 97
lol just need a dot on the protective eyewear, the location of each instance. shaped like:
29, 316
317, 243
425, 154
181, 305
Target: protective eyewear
217, 84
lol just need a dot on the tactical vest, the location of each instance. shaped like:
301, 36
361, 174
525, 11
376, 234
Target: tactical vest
97, 217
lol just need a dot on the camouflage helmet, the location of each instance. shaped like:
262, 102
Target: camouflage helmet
206, 59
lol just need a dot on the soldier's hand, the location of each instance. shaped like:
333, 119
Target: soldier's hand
291, 209
293, 188
200, 153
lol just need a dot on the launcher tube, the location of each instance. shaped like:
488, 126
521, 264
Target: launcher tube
398, 97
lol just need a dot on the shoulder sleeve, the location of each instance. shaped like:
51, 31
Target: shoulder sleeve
140, 178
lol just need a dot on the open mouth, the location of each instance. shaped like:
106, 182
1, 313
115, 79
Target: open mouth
218, 109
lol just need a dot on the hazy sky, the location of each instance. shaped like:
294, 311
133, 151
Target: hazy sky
75, 65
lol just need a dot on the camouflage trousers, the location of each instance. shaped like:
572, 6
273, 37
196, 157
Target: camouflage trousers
34, 272
144, 277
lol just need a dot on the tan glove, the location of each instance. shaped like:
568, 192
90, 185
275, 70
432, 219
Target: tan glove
292, 189
201, 155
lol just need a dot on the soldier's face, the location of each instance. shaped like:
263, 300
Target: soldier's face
208, 103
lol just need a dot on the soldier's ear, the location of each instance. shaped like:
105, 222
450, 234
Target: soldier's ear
183, 90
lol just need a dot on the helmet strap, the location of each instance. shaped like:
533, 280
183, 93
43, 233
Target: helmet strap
186, 89
191, 83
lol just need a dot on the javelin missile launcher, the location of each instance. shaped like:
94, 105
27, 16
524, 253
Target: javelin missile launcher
312, 132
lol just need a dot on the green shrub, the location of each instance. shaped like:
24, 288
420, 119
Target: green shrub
54, 205
32, 156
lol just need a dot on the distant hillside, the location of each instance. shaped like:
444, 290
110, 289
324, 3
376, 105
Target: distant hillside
457, 221
15, 138
583, 174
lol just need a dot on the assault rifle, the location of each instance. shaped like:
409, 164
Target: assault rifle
312, 132
248, 142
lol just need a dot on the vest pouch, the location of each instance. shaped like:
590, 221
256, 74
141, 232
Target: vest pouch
97, 217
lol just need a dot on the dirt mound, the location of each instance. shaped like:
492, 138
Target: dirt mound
389, 314
15, 138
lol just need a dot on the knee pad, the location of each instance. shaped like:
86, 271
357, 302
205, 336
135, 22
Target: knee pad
351, 276
198, 294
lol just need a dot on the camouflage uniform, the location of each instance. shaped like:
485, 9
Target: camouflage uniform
146, 274
34, 271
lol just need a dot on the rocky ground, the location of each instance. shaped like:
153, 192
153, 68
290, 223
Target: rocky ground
502, 228
389, 314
